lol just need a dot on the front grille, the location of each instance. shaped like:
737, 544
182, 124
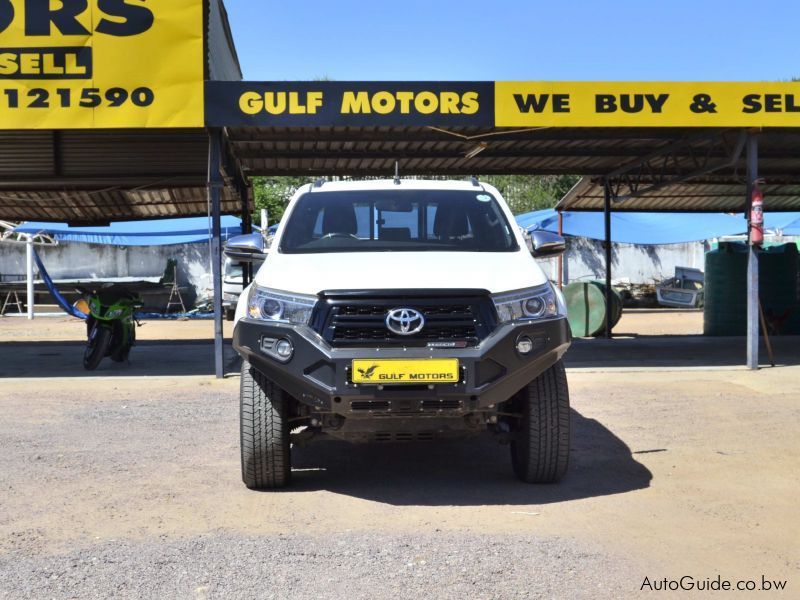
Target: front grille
361, 320
354, 323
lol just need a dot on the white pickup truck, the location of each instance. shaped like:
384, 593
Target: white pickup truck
401, 310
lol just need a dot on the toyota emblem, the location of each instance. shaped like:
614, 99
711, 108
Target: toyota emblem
405, 321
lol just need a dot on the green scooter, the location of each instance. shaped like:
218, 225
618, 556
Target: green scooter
110, 325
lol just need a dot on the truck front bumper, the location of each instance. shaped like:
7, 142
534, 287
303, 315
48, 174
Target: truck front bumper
318, 375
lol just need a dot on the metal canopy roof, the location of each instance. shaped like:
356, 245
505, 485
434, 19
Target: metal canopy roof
102, 176
703, 175
661, 169
84, 176
701, 196
367, 151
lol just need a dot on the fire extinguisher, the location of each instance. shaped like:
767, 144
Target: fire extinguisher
757, 216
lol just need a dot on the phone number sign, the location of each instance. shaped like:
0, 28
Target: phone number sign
82, 64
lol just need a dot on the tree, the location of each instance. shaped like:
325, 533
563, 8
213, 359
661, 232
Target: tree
273, 194
526, 193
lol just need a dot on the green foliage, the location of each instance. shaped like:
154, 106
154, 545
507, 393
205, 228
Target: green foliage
526, 193
274, 193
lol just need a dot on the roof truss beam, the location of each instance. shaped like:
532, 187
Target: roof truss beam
678, 163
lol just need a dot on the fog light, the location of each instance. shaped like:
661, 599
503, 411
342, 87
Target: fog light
284, 349
524, 345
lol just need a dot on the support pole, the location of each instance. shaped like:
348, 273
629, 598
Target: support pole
215, 185
247, 227
752, 259
29, 273
561, 256
607, 227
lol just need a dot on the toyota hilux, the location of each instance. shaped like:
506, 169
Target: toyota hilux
401, 310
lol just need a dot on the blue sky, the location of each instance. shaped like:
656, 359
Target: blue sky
670, 40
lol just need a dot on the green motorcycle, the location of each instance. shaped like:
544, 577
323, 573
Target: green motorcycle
110, 325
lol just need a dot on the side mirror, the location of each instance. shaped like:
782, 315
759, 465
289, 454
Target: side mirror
246, 248
544, 244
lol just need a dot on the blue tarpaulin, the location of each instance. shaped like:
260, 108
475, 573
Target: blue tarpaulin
654, 228
60, 300
790, 224
626, 228
159, 232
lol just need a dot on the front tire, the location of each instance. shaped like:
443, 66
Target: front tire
264, 428
540, 448
123, 351
97, 348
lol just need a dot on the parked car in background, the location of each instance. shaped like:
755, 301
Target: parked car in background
685, 290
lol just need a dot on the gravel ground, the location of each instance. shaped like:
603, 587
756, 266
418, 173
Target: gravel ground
131, 488
347, 565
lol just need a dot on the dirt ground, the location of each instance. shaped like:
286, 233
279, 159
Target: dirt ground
129, 487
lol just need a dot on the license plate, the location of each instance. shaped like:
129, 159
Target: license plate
395, 371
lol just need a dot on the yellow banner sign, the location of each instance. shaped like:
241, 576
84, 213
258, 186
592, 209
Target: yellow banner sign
83, 64
683, 104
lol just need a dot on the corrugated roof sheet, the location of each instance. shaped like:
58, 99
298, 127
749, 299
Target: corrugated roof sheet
374, 150
701, 196
101, 206
101, 176
159, 173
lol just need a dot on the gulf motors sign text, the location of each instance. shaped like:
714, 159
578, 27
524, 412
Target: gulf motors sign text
320, 104
101, 63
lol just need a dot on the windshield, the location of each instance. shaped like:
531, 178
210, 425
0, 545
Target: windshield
397, 221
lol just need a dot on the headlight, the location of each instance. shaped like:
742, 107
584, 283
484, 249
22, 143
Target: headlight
535, 303
269, 305
114, 314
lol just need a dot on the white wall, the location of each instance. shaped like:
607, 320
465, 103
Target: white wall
585, 259
72, 260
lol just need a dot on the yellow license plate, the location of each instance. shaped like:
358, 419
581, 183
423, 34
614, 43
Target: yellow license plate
394, 371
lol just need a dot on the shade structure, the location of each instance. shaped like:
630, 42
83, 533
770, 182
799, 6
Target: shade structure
654, 228
788, 225
159, 232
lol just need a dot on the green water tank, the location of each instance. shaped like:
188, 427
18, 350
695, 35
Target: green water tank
725, 311
586, 307
778, 280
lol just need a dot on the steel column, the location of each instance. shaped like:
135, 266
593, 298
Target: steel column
560, 256
215, 185
29, 273
247, 227
607, 227
752, 259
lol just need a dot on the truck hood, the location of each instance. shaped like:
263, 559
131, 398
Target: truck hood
312, 273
